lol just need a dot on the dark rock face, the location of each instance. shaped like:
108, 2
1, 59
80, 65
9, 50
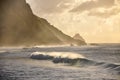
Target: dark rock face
17, 22
19, 26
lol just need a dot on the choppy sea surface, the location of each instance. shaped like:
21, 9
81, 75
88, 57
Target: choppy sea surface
101, 62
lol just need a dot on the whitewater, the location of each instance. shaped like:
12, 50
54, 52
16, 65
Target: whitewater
90, 62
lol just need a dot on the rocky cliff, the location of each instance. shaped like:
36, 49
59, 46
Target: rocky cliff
78, 37
19, 26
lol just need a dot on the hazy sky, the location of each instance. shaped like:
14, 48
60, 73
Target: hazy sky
95, 20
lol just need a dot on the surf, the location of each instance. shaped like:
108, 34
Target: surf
72, 59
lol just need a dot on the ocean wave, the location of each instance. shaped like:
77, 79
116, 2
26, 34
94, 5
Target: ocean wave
72, 59
42, 55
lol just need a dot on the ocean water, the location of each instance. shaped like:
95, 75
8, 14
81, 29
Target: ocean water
90, 62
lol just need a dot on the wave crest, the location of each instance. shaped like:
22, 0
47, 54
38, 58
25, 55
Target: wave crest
51, 55
73, 59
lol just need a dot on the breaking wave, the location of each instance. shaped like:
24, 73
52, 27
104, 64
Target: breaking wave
72, 59
53, 55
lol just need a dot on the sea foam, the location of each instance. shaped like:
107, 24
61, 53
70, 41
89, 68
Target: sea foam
69, 55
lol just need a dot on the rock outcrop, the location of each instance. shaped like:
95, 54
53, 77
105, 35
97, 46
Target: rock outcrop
78, 37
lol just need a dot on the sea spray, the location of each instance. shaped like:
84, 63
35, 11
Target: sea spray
63, 57
72, 59
39, 55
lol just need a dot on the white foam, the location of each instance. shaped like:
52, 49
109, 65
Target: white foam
59, 54
37, 53
44, 46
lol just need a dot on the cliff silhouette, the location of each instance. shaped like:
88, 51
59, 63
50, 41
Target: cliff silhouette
19, 26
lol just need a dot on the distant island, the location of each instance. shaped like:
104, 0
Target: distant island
20, 27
